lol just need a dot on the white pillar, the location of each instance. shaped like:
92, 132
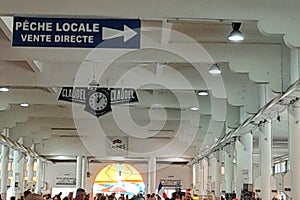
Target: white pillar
78, 172
196, 178
30, 161
152, 175
294, 153
247, 141
39, 176
84, 171
18, 173
294, 64
228, 164
265, 143
217, 173
4, 165
204, 165
194, 174
239, 167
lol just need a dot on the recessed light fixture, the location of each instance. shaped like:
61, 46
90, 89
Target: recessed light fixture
202, 93
194, 108
214, 69
4, 89
24, 104
236, 34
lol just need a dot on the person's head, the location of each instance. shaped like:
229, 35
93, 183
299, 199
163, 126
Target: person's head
80, 194
70, 195
26, 193
33, 196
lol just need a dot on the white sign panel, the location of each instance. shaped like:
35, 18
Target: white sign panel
116, 145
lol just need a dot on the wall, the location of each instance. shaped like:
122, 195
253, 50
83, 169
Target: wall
52, 171
57, 170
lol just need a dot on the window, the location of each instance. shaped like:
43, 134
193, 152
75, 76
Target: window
281, 167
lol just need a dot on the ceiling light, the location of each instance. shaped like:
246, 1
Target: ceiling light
235, 34
194, 108
24, 104
214, 69
4, 89
203, 93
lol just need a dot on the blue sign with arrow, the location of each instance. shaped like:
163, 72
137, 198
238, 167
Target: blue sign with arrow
77, 33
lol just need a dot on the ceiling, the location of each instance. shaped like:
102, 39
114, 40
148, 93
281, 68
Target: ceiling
167, 72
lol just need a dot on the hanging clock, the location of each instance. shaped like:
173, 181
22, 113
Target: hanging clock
98, 102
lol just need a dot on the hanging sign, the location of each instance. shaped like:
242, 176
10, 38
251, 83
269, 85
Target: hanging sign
116, 145
98, 100
65, 181
76, 32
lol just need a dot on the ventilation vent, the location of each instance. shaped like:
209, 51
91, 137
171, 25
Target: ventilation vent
63, 129
69, 136
160, 137
64, 132
162, 130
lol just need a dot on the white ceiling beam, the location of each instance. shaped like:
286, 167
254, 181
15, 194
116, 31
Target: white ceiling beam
215, 50
35, 65
6, 27
166, 32
169, 9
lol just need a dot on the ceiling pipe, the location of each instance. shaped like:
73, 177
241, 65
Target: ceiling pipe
230, 136
20, 147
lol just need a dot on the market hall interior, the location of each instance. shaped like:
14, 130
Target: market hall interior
156, 91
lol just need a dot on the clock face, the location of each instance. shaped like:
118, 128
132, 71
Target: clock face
98, 101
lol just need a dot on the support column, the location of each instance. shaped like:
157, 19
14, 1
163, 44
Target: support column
18, 173
30, 161
4, 165
152, 175
84, 171
194, 175
239, 167
247, 141
228, 164
204, 165
294, 153
217, 175
39, 177
196, 178
294, 58
265, 143
78, 172
294, 129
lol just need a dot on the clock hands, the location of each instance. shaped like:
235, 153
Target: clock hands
99, 99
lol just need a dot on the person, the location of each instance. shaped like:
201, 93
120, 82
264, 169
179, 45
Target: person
27, 192
33, 196
152, 196
113, 196
70, 196
80, 194
58, 196
87, 196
